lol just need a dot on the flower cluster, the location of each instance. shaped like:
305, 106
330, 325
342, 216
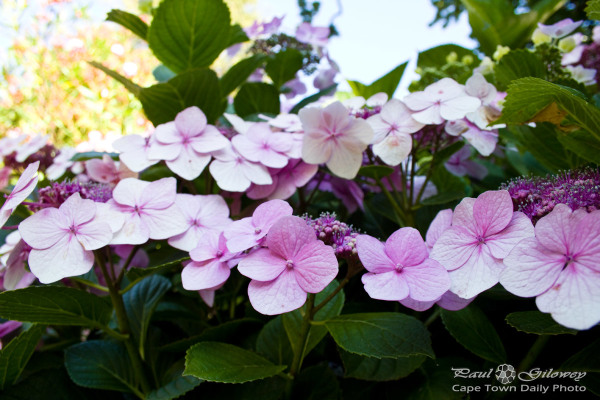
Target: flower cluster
336, 234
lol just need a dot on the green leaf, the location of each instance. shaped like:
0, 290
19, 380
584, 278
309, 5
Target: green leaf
197, 87
311, 99
587, 359
316, 383
140, 303
440, 157
137, 274
375, 171
175, 388
437, 380
542, 142
54, 305
129, 21
222, 362
375, 369
238, 35
292, 321
537, 322
273, 342
283, 66
88, 155
240, 72
129, 85
255, 98
100, 364
536, 100
436, 56
581, 143
163, 74
442, 198
187, 34
517, 64
593, 9
386, 84
471, 328
380, 335
15, 355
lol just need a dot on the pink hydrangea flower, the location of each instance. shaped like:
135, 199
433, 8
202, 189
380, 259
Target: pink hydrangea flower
235, 173
401, 268
445, 99
484, 141
149, 210
211, 263
441, 222
285, 181
261, 145
460, 164
13, 256
61, 163
250, 231
333, 137
108, 171
559, 29
560, 267
62, 239
203, 214
294, 264
315, 35
186, 143
23, 188
134, 151
483, 232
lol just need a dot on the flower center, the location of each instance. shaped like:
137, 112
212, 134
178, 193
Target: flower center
257, 231
399, 267
481, 239
568, 260
289, 264
219, 253
73, 230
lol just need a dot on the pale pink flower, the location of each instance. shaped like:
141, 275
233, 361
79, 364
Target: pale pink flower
559, 29
23, 188
294, 264
560, 267
325, 78
261, 145
579, 73
483, 232
13, 256
134, 151
445, 99
203, 213
30, 147
484, 141
314, 35
285, 181
460, 164
333, 137
107, 170
295, 87
235, 173
62, 239
285, 122
186, 143
61, 163
250, 231
211, 263
149, 210
401, 268
441, 222
478, 86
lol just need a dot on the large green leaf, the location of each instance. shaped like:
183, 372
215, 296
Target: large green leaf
588, 359
380, 335
517, 64
436, 56
240, 72
542, 142
255, 98
292, 321
140, 303
316, 383
593, 9
174, 389
283, 66
54, 305
536, 100
15, 355
386, 84
273, 342
129, 21
187, 34
222, 362
471, 328
581, 143
379, 369
197, 87
101, 364
536, 322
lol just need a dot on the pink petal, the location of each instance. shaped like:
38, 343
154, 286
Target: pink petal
189, 164
316, 149
493, 211
262, 265
454, 248
586, 243
163, 224
315, 267
159, 194
270, 212
430, 115
210, 140
200, 276
77, 210
519, 228
207, 248
277, 296
463, 216
416, 305
483, 141
134, 231
44, 228
191, 121
394, 149
458, 107
372, 254
406, 247
288, 236
531, 269
450, 301
94, 234
573, 300
256, 173
167, 133
241, 235
164, 151
228, 176
478, 274
66, 258
556, 231
129, 191
345, 162
386, 286
441, 222
426, 281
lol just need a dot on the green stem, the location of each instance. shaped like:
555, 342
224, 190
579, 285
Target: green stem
124, 328
302, 338
126, 265
534, 352
327, 299
435, 315
89, 283
397, 210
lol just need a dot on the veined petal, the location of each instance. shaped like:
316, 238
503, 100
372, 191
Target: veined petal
210, 140
394, 149
191, 121
406, 247
94, 234
159, 194
134, 231
277, 296
372, 254
493, 211
201, 276
454, 248
66, 258
262, 265
519, 228
242, 235
386, 286
129, 191
478, 274
288, 235
315, 267
189, 164
426, 281
163, 224
44, 228
270, 212
345, 162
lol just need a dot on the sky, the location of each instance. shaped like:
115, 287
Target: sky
375, 35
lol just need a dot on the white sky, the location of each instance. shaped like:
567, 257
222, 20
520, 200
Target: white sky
375, 35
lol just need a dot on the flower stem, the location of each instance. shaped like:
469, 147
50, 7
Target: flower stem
435, 315
327, 299
534, 352
302, 338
